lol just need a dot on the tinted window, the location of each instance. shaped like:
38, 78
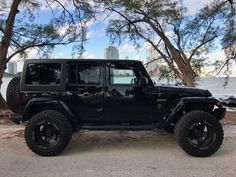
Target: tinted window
84, 74
43, 74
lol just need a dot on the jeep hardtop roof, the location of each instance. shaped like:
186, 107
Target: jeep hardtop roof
36, 86
58, 60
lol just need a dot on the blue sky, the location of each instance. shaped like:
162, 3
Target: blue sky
98, 40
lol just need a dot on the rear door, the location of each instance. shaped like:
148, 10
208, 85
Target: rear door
86, 90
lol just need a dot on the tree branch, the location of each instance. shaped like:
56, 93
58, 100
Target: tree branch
199, 46
177, 73
38, 45
63, 7
6, 39
53, 14
152, 61
227, 61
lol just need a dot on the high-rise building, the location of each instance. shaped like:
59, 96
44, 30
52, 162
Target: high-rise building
12, 67
111, 53
153, 66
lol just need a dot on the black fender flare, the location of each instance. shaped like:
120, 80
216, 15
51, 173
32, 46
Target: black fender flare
170, 116
41, 103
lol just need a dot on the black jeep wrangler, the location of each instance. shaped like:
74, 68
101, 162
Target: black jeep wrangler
61, 96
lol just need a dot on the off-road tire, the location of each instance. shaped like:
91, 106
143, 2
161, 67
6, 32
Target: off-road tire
65, 132
13, 95
182, 130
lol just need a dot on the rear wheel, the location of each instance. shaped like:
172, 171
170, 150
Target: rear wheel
199, 133
48, 133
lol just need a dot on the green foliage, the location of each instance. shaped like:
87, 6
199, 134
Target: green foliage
168, 27
168, 76
8, 74
66, 25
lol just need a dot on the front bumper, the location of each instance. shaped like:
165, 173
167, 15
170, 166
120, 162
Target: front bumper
16, 118
219, 113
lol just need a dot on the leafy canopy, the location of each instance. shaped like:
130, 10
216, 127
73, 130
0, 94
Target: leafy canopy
167, 26
66, 25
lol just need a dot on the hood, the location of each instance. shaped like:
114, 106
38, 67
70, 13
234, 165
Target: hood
184, 91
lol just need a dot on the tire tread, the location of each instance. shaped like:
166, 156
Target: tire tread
49, 114
183, 123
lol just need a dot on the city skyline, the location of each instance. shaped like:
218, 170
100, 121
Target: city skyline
111, 53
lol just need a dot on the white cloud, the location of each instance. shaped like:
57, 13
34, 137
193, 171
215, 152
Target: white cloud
59, 55
217, 55
137, 57
91, 34
62, 30
87, 55
69, 29
55, 5
128, 48
32, 53
194, 5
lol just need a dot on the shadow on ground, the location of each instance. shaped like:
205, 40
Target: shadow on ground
87, 141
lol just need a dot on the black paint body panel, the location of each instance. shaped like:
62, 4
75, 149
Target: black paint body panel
108, 104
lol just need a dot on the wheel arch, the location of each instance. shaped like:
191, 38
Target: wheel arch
187, 104
36, 105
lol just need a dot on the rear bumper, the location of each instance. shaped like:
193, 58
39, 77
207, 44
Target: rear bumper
219, 113
16, 118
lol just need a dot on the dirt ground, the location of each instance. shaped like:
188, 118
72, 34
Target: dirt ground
118, 154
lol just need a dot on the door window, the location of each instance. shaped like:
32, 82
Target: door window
123, 76
84, 74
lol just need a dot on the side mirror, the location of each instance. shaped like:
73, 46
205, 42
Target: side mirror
143, 81
154, 82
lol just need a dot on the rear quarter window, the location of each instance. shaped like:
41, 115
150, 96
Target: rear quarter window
43, 74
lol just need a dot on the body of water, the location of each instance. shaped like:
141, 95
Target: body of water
214, 85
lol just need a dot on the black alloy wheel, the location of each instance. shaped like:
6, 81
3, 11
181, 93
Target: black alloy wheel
199, 133
46, 134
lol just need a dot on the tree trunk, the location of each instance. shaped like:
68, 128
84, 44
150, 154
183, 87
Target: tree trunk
188, 77
3, 104
184, 66
5, 43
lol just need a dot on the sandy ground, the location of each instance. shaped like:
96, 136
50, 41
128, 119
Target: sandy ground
118, 154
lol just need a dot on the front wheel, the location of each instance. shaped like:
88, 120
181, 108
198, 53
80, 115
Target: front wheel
48, 133
199, 133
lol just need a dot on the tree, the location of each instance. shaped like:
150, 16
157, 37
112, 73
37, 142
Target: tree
181, 39
20, 30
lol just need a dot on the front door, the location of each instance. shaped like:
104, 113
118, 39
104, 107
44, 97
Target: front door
125, 100
86, 90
